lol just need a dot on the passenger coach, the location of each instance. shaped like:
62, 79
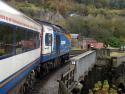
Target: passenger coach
28, 49
19, 47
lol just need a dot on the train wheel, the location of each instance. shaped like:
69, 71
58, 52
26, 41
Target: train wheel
47, 68
37, 72
59, 62
55, 63
22, 89
62, 61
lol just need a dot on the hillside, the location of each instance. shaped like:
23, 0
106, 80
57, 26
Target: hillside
99, 19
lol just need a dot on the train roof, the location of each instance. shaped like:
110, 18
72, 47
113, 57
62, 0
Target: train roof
10, 15
43, 22
63, 29
57, 27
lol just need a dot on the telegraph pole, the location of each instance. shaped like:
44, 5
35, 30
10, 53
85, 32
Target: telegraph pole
93, 2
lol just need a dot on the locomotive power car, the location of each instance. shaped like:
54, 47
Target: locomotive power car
55, 45
28, 49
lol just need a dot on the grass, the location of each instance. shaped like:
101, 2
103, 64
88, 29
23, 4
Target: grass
76, 48
117, 54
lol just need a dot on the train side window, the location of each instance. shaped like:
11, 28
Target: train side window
48, 39
6, 40
16, 40
36, 40
26, 40
20, 38
30, 40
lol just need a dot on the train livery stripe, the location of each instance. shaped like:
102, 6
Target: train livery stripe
13, 16
16, 74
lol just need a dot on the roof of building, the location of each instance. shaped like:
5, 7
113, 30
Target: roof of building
74, 36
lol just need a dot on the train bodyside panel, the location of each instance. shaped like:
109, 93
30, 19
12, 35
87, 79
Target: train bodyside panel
65, 44
64, 41
18, 63
53, 53
12, 81
47, 43
59, 44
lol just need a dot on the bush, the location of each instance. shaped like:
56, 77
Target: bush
114, 42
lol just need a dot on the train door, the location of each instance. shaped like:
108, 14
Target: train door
41, 37
58, 44
47, 40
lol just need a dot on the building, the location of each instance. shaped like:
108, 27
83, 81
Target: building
87, 43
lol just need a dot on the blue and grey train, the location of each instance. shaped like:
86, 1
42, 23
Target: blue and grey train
28, 49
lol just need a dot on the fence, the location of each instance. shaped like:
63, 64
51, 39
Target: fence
62, 88
67, 81
68, 77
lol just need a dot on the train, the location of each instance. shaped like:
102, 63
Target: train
29, 48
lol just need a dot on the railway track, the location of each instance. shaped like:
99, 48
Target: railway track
49, 84
76, 52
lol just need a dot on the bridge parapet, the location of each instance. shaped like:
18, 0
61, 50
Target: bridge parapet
78, 68
83, 63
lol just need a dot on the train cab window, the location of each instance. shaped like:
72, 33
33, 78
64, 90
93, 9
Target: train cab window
48, 39
6, 40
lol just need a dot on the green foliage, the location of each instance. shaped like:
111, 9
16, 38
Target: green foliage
109, 31
114, 42
103, 20
104, 3
28, 8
